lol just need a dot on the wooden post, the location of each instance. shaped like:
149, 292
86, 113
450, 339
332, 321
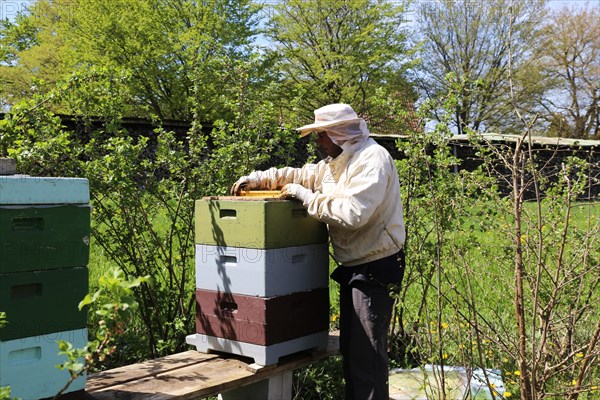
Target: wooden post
278, 387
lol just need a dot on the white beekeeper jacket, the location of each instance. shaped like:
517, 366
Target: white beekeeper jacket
357, 194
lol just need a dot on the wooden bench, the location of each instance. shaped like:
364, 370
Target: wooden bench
194, 375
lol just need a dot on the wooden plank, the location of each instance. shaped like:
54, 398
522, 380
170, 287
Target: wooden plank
145, 369
189, 382
252, 195
192, 375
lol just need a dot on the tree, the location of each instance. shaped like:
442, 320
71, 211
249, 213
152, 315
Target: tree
341, 51
28, 59
465, 49
173, 56
569, 60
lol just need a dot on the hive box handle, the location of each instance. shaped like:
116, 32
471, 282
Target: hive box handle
28, 224
25, 356
227, 214
26, 291
228, 259
298, 258
228, 306
299, 213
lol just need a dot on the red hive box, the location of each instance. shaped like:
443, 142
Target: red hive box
262, 320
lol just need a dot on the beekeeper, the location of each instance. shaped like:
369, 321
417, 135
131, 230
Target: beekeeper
355, 190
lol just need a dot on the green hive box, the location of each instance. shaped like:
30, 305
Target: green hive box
43, 237
256, 223
42, 302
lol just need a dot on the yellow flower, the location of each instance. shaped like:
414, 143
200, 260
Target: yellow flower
523, 238
574, 382
444, 356
444, 325
518, 373
507, 394
579, 355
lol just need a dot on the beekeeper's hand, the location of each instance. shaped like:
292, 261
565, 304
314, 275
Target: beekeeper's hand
244, 183
296, 191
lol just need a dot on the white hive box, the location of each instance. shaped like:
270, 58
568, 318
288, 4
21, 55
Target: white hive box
262, 355
28, 365
25, 189
262, 272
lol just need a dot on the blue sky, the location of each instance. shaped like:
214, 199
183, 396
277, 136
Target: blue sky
557, 4
9, 8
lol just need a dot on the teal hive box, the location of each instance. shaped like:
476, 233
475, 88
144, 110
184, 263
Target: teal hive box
43, 237
28, 365
25, 189
41, 302
259, 223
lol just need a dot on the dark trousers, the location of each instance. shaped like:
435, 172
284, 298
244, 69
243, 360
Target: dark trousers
365, 312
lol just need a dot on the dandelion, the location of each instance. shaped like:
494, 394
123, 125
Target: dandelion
507, 394
517, 373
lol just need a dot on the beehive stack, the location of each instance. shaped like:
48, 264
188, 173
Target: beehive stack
261, 278
44, 252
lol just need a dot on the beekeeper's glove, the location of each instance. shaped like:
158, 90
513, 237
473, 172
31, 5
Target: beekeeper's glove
295, 191
244, 183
